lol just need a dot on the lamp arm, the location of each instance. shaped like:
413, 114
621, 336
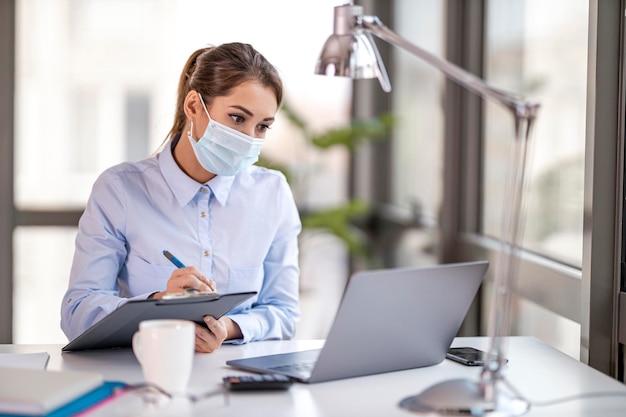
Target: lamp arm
524, 114
519, 107
460, 396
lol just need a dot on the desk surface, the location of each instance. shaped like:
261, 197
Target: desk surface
538, 371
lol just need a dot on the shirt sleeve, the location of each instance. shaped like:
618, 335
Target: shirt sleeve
276, 312
99, 251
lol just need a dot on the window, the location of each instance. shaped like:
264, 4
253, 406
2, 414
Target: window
539, 49
526, 49
417, 142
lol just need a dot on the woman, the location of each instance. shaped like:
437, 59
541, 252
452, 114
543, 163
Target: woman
234, 225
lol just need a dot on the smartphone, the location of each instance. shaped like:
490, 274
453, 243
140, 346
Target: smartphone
467, 356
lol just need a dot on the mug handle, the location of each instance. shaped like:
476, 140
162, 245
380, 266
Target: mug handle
137, 346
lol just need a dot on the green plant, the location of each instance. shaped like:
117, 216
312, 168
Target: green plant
339, 220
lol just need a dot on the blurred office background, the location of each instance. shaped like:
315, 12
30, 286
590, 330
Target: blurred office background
91, 83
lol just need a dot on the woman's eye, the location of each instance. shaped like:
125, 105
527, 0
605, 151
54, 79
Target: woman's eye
237, 118
264, 128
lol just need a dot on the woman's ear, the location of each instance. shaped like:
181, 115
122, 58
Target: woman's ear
192, 105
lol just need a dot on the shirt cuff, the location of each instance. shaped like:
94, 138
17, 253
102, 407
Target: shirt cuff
250, 327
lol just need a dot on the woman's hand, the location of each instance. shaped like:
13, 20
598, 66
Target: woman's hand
186, 278
189, 277
211, 337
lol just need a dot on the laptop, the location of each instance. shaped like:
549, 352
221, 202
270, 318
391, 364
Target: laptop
388, 320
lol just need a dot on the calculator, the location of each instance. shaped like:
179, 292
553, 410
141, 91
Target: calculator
257, 382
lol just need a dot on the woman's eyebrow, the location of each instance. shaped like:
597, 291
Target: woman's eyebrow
250, 114
243, 109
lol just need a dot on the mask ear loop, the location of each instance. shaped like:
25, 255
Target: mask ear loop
190, 133
204, 106
190, 129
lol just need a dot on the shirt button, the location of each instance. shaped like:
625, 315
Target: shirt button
206, 253
203, 190
202, 214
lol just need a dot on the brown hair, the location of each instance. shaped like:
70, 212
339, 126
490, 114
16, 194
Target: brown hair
215, 70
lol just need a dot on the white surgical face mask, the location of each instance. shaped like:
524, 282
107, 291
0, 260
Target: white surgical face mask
223, 150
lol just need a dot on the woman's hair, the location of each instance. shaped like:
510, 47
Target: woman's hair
214, 71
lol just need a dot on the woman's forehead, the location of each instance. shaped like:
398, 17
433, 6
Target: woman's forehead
252, 95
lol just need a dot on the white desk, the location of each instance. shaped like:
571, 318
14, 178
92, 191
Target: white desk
538, 371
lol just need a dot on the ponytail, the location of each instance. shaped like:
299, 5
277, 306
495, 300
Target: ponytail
183, 89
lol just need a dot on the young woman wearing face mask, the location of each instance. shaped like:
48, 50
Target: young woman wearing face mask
234, 225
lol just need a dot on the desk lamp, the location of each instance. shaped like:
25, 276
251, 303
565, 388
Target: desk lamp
351, 52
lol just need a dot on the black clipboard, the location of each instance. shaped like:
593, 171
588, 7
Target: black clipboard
117, 329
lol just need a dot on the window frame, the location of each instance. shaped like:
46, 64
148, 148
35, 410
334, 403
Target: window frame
7, 209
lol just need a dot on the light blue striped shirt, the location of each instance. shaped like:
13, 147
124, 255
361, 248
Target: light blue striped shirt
241, 231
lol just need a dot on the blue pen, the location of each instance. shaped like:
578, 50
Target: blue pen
173, 259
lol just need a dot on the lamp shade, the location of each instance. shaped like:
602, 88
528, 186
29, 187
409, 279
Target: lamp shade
351, 52
354, 56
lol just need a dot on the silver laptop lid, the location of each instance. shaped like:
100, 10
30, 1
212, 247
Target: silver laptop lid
396, 319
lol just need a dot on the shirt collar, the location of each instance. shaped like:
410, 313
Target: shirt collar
184, 187
220, 185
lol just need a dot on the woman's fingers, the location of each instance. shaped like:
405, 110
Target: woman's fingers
212, 285
211, 337
216, 327
189, 277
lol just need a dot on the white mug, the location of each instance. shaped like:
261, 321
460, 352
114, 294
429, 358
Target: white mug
165, 350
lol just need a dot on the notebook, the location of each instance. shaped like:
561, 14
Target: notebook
37, 392
34, 360
388, 320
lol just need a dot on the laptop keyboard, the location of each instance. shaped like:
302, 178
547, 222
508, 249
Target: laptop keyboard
299, 368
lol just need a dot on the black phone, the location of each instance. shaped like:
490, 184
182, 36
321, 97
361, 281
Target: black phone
467, 356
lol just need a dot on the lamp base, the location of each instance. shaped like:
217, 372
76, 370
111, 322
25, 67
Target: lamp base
464, 397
